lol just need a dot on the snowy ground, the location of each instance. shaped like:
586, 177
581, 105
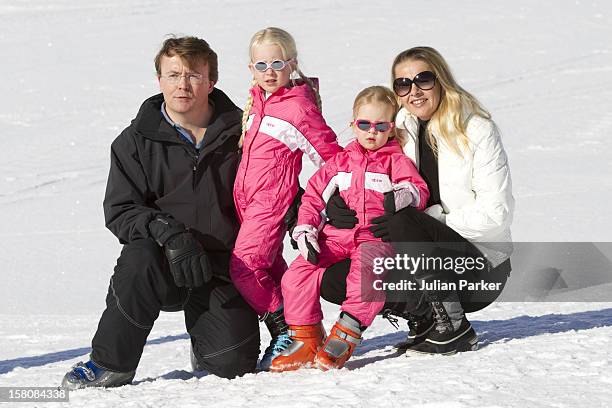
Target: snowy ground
74, 74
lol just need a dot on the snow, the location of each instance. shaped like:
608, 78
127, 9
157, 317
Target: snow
75, 73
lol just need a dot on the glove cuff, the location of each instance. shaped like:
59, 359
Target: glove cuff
162, 229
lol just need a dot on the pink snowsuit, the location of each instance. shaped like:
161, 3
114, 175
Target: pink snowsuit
280, 129
362, 177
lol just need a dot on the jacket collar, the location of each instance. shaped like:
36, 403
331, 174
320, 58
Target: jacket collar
300, 89
407, 121
150, 123
392, 146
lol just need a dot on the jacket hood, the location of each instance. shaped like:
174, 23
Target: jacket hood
150, 123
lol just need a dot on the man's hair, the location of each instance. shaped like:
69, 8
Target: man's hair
192, 50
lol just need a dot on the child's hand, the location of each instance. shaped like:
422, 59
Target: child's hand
306, 237
399, 199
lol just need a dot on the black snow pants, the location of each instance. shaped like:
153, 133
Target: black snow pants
224, 329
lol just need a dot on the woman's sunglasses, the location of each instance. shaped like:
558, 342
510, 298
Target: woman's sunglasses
277, 65
366, 125
425, 80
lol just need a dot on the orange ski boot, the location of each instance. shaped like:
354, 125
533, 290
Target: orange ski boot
344, 337
307, 340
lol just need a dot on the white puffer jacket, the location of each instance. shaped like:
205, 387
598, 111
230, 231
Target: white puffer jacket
476, 189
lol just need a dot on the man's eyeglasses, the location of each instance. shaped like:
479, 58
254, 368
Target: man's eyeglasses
425, 80
277, 65
174, 78
366, 125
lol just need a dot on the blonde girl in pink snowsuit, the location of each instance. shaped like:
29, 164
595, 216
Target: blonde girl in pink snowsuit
369, 167
282, 120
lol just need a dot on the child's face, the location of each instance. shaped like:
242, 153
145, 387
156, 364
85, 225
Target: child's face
373, 139
270, 80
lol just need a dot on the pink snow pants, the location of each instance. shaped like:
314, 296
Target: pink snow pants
257, 264
302, 282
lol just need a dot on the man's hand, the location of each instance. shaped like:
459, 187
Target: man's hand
188, 261
339, 214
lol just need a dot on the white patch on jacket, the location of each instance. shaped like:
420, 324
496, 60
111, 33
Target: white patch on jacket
290, 136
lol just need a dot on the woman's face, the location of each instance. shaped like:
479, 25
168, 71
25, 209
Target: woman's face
422, 104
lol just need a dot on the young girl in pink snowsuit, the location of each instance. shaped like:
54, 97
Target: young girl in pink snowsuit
369, 167
282, 120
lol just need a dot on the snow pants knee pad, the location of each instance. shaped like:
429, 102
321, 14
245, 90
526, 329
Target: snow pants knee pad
224, 330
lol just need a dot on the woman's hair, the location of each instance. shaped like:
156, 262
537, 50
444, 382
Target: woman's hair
284, 40
382, 95
449, 121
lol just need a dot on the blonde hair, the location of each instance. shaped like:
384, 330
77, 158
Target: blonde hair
284, 40
382, 95
449, 121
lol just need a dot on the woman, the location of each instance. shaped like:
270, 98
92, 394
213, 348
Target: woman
458, 151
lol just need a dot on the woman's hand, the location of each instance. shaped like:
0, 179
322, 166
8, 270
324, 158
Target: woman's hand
407, 225
437, 212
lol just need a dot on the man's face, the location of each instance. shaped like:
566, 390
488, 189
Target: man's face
185, 88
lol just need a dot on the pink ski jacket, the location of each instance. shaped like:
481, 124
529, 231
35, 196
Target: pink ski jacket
279, 130
362, 177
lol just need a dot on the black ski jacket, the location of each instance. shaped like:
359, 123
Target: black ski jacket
154, 171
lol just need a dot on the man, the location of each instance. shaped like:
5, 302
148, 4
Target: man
169, 201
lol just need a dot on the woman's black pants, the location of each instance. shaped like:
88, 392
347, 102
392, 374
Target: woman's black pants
422, 228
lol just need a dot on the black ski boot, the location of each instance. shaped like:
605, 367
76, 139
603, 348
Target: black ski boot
89, 374
452, 332
275, 322
418, 328
418, 312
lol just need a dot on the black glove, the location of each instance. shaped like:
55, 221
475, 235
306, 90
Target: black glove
188, 261
381, 227
291, 217
408, 224
389, 202
339, 214
400, 226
